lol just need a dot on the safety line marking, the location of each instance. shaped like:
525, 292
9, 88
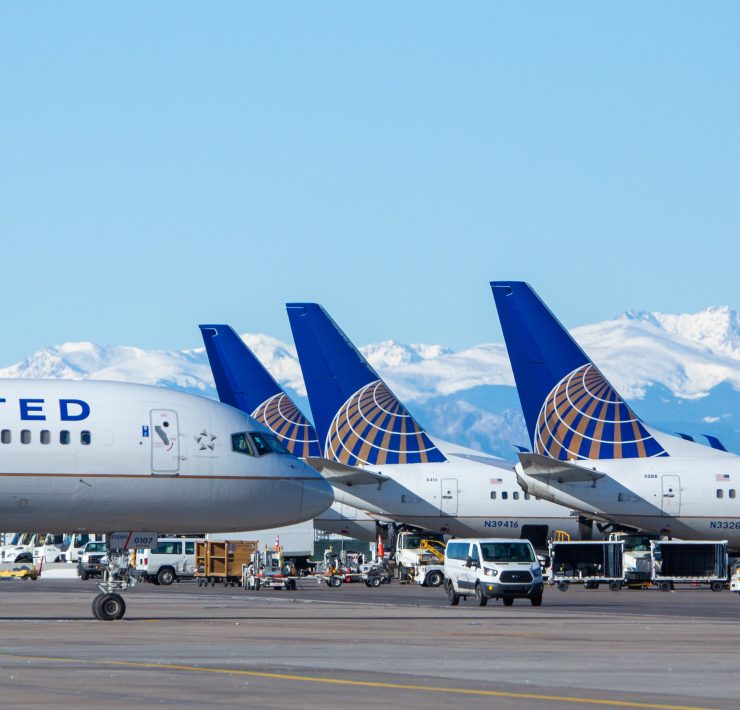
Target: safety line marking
363, 683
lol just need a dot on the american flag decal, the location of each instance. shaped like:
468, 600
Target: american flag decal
722, 477
496, 481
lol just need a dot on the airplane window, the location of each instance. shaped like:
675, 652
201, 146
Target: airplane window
45, 436
731, 493
504, 495
261, 444
515, 495
25, 436
85, 438
493, 495
242, 444
720, 493
5, 436
64, 437
527, 496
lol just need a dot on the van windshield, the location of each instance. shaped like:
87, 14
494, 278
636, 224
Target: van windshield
507, 552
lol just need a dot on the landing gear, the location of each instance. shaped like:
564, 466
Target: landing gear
117, 577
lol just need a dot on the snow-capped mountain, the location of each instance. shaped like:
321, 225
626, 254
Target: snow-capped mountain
680, 372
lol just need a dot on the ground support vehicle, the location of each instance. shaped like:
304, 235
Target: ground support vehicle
170, 560
296, 542
735, 577
20, 573
90, 560
637, 561
268, 570
689, 562
588, 563
221, 561
419, 557
492, 568
19, 548
51, 547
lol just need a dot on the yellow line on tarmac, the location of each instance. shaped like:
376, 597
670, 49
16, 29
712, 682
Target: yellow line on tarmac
362, 683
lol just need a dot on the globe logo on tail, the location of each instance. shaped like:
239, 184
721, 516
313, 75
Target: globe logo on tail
280, 415
373, 427
583, 417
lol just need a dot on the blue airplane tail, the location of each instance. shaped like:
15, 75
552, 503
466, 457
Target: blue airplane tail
359, 420
243, 382
571, 411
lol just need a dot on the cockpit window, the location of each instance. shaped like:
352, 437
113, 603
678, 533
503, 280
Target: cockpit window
261, 443
241, 443
275, 444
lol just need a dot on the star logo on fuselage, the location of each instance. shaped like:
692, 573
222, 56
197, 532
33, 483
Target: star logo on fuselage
205, 440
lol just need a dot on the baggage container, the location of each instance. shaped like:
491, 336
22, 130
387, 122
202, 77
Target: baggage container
588, 563
689, 561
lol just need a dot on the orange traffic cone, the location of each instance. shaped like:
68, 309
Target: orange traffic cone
381, 551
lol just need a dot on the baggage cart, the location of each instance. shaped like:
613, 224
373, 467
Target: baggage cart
221, 561
587, 563
689, 562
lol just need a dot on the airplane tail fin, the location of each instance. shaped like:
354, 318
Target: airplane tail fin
243, 382
571, 411
358, 419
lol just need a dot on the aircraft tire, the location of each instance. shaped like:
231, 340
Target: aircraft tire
109, 607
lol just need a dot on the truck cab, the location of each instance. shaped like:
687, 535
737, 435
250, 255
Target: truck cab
50, 547
18, 549
492, 568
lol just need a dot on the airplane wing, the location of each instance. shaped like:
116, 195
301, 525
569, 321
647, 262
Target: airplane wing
539, 466
336, 472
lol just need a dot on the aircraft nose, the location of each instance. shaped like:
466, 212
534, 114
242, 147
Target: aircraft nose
318, 495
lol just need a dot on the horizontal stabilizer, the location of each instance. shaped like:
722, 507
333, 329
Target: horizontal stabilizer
336, 472
539, 466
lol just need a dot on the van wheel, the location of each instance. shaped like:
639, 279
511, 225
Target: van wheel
481, 598
166, 576
435, 578
452, 595
508, 601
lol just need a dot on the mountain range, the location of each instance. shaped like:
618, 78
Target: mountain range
680, 373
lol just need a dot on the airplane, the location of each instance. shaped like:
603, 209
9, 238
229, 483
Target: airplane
592, 453
421, 481
125, 459
243, 382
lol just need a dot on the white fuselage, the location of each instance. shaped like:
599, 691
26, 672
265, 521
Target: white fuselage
104, 456
470, 494
692, 494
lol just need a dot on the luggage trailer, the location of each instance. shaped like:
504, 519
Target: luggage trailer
689, 562
588, 563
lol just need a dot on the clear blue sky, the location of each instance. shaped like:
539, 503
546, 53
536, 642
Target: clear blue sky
164, 164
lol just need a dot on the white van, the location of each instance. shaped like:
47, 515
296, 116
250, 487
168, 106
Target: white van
173, 558
19, 548
492, 568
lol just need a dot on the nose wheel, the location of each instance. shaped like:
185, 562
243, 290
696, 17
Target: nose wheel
108, 607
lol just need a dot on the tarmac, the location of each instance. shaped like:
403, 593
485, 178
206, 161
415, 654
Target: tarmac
185, 646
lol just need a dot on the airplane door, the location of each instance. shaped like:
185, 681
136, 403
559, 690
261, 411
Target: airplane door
448, 504
671, 501
165, 440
